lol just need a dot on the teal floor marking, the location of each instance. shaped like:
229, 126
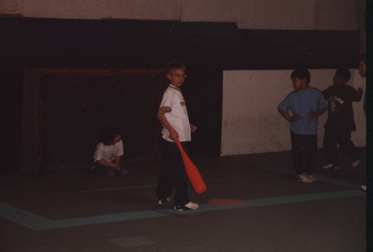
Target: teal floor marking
36, 222
25, 218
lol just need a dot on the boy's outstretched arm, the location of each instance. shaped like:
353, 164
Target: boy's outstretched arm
293, 118
165, 123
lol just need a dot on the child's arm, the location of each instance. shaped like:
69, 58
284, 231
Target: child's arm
117, 162
318, 112
112, 165
359, 94
173, 134
293, 118
193, 128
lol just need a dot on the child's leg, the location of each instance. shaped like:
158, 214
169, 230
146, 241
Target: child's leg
297, 152
122, 172
344, 140
181, 178
330, 147
103, 171
165, 179
310, 150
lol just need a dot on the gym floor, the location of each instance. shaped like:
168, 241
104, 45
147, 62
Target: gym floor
252, 203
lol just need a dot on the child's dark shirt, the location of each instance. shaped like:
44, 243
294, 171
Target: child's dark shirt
340, 112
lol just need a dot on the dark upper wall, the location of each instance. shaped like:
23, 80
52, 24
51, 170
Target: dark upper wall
288, 49
46, 43
49, 43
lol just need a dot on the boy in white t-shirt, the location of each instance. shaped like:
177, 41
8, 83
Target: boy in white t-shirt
173, 115
108, 153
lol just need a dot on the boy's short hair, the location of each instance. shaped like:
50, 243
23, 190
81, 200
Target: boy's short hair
174, 65
363, 58
301, 73
344, 73
108, 133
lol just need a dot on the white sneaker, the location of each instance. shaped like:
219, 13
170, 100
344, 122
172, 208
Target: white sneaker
313, 178
190, 206
356, 163
328, 166
163, 201
305, 179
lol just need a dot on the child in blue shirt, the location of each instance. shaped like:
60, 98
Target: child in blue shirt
306, 104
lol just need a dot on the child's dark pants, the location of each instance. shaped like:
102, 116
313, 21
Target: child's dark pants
172, 173
343, 138
304, 145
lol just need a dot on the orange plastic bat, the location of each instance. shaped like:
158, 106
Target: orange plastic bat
192, 171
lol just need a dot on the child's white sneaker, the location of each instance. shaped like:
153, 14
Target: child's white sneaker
356, 163
304, 178
163, 201
313, 178
190, 206
328, 166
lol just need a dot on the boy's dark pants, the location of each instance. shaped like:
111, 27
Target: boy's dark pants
172, 173
304, 145
333, 137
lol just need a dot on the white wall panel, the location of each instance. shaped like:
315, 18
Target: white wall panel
251, 122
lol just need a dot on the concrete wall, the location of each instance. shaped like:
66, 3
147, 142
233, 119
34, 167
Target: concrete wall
251, 122
248, 14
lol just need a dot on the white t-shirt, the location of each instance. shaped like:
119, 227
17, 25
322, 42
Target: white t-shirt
108, 152
178, 116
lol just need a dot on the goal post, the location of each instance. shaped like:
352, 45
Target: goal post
63, 110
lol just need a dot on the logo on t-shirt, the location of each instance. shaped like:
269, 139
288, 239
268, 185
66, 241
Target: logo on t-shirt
335, 104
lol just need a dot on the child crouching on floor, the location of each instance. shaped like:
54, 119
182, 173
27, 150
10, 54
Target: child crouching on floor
108, 153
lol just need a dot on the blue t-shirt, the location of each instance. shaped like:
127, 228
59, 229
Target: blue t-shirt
301, 103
